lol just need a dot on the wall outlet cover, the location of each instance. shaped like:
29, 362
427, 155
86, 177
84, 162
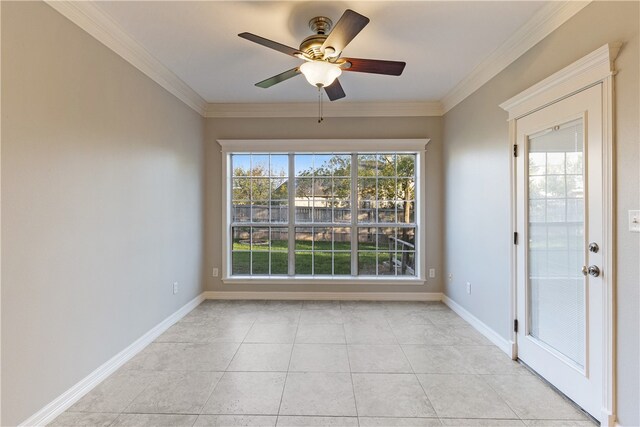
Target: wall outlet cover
214, 273
432, 273
469, 288
175, 287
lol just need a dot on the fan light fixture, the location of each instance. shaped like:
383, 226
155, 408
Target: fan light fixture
320, 73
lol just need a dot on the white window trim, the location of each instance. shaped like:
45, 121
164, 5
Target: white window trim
291, 146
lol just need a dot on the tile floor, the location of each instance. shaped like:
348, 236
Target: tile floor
312, 363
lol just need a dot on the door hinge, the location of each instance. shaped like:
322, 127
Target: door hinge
515, 150
515, 238
515, 325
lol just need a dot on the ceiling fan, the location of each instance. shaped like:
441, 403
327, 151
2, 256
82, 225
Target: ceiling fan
322, 52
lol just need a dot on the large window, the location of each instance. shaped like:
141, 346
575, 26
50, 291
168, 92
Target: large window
322, 215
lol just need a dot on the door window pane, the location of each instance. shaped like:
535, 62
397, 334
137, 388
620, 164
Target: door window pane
556, 246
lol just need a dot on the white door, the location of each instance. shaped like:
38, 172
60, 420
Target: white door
560, 231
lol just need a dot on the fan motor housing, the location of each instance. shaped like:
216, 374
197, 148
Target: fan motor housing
320, 25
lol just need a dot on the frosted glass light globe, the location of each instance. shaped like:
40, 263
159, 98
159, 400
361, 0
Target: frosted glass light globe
320, 73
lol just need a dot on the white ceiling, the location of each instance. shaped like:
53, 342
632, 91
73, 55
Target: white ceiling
442, 42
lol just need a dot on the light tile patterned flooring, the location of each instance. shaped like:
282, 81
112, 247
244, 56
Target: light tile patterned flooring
313, 363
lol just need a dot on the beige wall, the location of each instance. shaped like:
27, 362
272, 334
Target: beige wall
306, 128
102, 184
476, 162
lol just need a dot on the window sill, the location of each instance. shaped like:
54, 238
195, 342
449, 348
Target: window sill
340, 280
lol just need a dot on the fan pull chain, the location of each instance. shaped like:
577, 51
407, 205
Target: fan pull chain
320, 115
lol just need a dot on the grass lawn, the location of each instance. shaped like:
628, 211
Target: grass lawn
306, 262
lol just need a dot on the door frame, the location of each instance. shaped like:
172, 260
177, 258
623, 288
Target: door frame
594, 68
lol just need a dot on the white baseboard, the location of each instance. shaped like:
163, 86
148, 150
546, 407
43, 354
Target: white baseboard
71, 396
502, 343
325, 296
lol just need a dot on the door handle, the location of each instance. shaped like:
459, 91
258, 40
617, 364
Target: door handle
592, 270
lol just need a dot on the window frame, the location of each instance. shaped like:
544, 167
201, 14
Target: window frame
297, 146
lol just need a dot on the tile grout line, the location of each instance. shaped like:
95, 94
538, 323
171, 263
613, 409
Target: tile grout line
501, 398
225, 371
413, 370
353, 387
289, 365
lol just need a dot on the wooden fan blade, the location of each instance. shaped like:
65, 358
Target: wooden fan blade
375, 66
334, 91
348, 26
270, 44
278, 78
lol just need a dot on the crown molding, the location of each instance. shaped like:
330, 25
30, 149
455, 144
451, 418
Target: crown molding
546, 20
103, 28
337, 109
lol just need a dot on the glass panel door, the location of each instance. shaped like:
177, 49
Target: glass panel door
556, 246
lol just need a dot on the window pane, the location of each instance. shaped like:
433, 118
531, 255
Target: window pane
342, 188
367, 165
406, 189
322, 262
342, 263
260, 211
240, 262
259, 262
387, 262
367, 263
304, 263
405, 264
322, 165
341, 165
241, 189
241, 212
386, 239
279, 263
406, 238
241, 238
279, 239
406, 165
342, 239
386, 165
260, 188
387, 189
386, 211
322, 211
259, 165
367, 189
304, 188
304, 238
367, 238
279, 165
241, 164
555, 163
279, 188
322, 237
304, 164
279, 211
260, 239
406, 212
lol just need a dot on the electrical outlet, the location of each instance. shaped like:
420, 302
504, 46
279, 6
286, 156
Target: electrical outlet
634, 221
450, 277
175, 288
432, 273
469, 288
214, 273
